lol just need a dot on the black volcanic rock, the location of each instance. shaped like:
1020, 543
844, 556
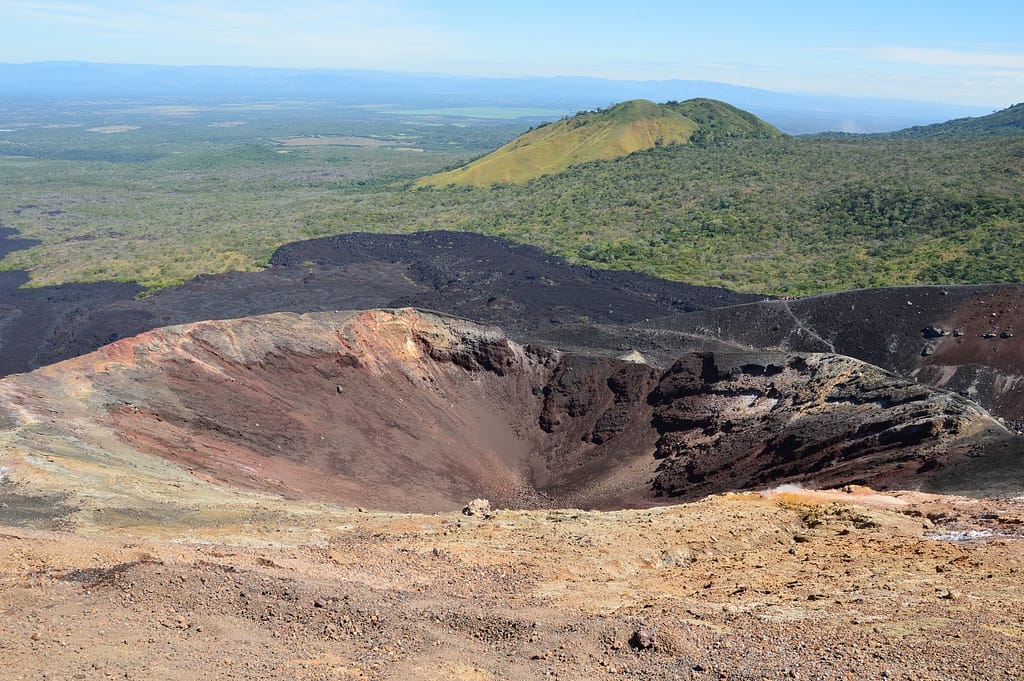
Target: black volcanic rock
888, 327
520, 288
740, 420
32, 320
539, 298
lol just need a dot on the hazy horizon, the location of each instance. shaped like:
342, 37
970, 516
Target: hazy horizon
532, 99
910, 51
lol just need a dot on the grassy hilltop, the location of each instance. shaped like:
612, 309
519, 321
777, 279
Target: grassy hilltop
623, 129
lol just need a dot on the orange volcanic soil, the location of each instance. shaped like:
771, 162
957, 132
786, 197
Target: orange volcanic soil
806, 585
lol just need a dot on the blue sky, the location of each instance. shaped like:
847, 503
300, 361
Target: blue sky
955, 52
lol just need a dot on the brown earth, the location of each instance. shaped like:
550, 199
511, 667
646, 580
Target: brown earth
792, 585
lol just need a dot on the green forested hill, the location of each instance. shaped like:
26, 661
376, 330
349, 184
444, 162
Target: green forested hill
718, 121
1009, 121
602, 135
784, 216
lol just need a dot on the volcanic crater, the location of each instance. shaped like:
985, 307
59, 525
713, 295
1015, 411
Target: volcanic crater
408, 410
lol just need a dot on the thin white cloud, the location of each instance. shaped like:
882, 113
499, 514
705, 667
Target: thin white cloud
718, 66
306, 32
74, 13
926, 56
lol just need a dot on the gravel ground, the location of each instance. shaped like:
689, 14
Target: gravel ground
796, 585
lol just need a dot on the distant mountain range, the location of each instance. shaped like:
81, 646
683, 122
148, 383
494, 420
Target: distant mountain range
631, 126
791, 113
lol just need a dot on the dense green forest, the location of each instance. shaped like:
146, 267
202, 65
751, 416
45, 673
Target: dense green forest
1009, 121
162, 203
788, 216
